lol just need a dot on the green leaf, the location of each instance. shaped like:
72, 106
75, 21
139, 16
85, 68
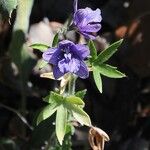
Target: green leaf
55, 40
93, 50
47, 112
79, 114
39, 46
61, 122
53, 98
81, 94
109, 71
41, 64
74, 100
57, 97
97, 79
106, 54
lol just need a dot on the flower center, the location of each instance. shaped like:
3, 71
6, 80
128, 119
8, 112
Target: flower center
65, 50
67, 57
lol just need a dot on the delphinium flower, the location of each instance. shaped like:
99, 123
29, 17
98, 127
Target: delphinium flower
68, 58
87, 21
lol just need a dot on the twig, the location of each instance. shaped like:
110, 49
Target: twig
23, 119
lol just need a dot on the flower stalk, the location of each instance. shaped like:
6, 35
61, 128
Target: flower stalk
72, 84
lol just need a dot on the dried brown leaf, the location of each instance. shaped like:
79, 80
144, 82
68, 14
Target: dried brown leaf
97, 138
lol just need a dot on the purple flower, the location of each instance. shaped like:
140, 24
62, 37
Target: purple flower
68, 57
87, 21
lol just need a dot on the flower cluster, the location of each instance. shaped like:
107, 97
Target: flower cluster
68, 57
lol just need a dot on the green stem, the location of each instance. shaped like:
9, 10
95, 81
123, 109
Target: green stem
71, 85
71, 91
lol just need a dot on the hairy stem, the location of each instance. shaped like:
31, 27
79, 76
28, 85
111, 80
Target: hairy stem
71, 85
71, 91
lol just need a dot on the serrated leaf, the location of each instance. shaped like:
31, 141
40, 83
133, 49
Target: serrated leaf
42, 64
74, 100
93, 51
109, 71
106, 54
79, 114
81, 94
40, 46
97, 79
47, 112
61, 122
55, 40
